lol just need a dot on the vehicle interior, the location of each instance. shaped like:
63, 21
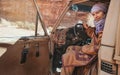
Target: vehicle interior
68, 31
35, 34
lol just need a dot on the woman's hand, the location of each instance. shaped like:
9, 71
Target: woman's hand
85, 25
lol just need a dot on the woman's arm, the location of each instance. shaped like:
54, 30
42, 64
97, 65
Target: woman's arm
93, 47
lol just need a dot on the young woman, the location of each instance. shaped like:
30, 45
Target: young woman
82, 55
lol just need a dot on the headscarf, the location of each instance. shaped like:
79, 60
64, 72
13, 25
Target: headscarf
99, 24
98, 7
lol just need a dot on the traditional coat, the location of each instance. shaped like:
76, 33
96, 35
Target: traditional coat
81, 55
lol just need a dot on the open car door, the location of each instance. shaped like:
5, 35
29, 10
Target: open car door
22, 51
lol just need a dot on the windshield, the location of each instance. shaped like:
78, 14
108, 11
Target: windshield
17, 19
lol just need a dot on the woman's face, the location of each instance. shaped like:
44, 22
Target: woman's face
98, 15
